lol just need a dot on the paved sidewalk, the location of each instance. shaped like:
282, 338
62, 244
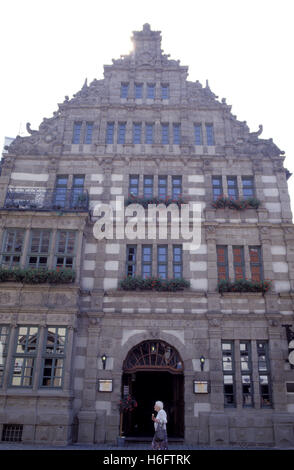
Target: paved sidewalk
130, 446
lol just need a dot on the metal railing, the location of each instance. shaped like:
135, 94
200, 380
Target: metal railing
40, 199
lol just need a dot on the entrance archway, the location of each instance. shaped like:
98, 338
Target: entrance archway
153, 370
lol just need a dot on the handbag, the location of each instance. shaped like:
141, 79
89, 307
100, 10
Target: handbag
159, 433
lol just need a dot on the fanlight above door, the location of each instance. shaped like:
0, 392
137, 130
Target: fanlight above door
153, 355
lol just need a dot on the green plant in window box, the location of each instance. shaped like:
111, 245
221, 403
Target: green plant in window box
244, 285
153, 283
237, 204
153, 200
62, 276
37, 276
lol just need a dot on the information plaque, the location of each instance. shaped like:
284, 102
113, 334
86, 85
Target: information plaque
104, 385
201, 386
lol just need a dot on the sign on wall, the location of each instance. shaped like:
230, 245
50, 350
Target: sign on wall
201, 386
104, 385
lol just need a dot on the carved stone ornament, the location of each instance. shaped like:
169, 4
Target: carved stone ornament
251, 144
89, 94
210, 229
202, 95
145, 59
214, 322
42, 141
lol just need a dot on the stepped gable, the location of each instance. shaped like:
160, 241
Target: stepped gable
146, 54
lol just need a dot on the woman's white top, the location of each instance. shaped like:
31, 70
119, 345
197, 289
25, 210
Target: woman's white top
161, 415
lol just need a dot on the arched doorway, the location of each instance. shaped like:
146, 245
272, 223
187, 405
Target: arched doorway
153, 370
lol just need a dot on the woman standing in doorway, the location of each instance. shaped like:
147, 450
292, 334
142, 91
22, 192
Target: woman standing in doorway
159, 421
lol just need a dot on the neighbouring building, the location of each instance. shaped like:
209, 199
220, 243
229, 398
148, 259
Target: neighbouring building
86, 321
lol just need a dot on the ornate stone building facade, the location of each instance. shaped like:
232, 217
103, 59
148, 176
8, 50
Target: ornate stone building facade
74, 341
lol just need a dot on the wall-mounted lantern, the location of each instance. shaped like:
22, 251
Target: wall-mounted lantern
104, 359
202, 362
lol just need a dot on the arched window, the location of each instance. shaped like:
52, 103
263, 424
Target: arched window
153, 355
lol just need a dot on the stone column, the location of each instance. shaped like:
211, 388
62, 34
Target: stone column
210, 212
107, 170
213, 296
53, 249
255, 375
215, 362
68, 359
79, 254
38, 364
102, 133
25, 248
157, 131
271, 298
265, 239
218, 420
276, 360
87, 414
238, 376
262, 212
129, 132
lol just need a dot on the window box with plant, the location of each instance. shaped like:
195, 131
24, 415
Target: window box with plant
153, 283
244, 285
37, 276
223, 202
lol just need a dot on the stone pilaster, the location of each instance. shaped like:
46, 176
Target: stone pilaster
87, 414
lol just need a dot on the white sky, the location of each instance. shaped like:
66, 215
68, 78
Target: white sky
244, 48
